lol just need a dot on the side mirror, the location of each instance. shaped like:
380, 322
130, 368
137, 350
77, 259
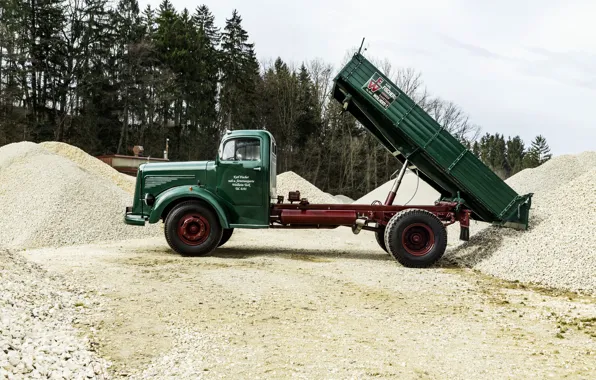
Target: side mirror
238, 156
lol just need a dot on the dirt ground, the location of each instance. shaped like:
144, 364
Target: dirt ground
337, 307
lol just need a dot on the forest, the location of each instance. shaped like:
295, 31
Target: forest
108, 76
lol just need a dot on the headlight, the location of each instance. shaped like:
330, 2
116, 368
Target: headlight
149, 200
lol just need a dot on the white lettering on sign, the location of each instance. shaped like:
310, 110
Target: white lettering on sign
241, 182
389, 92
381, 100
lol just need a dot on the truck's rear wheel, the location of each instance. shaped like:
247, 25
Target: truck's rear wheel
192, 229
380, 236
227, 234
416, 238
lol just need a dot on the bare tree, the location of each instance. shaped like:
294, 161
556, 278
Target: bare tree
321, 76
453, 119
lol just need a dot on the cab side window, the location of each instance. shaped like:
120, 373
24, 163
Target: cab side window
241, 149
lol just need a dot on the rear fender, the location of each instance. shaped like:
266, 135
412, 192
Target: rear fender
183, 193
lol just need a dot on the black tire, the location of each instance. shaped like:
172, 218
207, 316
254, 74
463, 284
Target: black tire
416, 238
193, 229
380, 236
227, 234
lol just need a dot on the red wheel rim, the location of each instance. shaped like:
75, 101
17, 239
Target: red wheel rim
418, 239
193, 229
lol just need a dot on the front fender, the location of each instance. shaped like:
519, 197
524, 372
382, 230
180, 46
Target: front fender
174, 194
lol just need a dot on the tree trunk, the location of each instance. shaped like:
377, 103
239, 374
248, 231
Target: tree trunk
123, 131
33, 55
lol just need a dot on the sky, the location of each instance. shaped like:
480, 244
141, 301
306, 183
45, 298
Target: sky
516, 67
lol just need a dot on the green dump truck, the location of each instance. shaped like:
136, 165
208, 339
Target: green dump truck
201, 203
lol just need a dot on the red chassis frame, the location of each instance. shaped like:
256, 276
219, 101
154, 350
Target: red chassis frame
306, 215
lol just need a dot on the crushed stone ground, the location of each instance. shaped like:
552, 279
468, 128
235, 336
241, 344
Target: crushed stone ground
37, 313
312, 304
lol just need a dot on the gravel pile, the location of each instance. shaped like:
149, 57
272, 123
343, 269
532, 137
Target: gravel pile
91, 164
49, 200
37, 339
552, 175
423, 195
559, 249
344, 199
290, 181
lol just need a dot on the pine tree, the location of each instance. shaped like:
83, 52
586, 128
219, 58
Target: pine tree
99, 105
11, 21
205, 22
307, 123
476, 149
206, 62
540, 149
515, 155
498, 156
32, 30
530, 160
129, 53
485, 147
240, 77
165, 43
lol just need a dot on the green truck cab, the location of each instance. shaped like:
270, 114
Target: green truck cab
202, 202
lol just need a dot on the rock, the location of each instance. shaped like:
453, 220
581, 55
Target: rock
71, 365
90, 373
13, 358
66, 373
42, 369
28, 362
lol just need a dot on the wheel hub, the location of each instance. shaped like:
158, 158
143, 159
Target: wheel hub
193, 229
418, 239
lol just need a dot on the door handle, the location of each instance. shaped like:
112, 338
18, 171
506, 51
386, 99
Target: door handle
258, 168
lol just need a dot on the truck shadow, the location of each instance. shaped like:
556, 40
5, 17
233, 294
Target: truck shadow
314, 255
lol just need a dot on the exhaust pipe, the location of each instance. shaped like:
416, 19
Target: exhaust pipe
358, 225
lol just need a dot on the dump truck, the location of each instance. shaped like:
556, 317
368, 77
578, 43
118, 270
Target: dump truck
201, 203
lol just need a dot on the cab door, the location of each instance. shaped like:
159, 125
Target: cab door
242, 180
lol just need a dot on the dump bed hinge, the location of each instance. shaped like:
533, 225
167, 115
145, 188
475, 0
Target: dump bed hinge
461, 155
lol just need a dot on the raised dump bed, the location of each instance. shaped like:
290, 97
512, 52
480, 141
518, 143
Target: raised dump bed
409, 133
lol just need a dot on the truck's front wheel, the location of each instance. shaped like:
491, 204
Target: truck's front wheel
227, 234
192, 229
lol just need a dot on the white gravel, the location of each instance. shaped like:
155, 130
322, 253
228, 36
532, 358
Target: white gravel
91, 164
290, 181
37, 312
48, 200
559, 249
411, 189
344, 199
553, 174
